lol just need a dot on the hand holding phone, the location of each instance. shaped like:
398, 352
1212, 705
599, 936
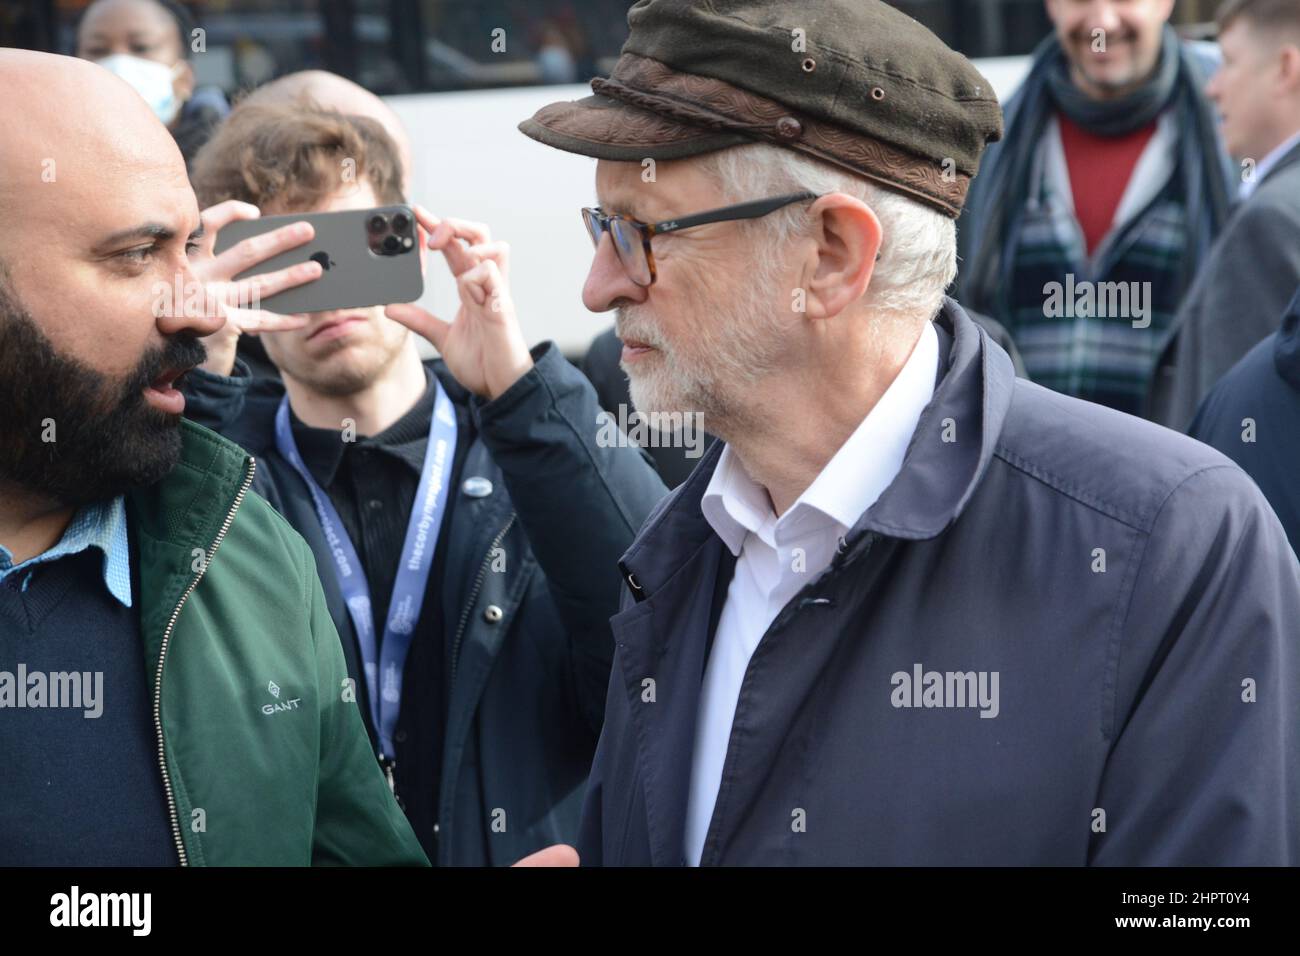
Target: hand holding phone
367, 257
239, 298
484, 347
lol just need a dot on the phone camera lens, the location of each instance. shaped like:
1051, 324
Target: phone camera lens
392, 243
376, 223
401, 222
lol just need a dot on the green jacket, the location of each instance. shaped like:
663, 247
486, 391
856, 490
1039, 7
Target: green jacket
264, 757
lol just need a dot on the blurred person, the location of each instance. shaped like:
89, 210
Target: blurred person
1254, 267
1095, 213
312, 89
910, 610
1252, 415
554, 59
148, 43
136, 568
481, 667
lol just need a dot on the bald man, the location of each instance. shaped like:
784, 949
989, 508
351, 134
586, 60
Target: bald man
172, 689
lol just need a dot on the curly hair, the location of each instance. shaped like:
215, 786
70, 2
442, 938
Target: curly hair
290, 157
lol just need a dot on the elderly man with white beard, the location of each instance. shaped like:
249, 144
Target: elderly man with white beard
910, 610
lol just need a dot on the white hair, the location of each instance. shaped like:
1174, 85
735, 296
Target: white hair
918, 252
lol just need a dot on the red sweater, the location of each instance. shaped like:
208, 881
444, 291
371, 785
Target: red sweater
1100, 168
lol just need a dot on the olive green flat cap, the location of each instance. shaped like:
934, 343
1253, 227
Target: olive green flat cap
854, 82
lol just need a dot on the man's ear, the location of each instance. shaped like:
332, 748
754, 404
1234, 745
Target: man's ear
1289, 67
183, 85
846, 236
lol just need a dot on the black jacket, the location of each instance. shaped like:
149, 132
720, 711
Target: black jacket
1253, 416
527, 648
1131, 589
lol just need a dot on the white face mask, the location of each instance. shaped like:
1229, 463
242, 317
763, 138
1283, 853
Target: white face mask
150, 79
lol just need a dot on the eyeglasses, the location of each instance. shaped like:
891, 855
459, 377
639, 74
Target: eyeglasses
632, 238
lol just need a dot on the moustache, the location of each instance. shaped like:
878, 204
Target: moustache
182, 351
1083, 35
629, 325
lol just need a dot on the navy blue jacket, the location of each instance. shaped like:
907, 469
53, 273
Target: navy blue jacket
1253, 416
1130, 587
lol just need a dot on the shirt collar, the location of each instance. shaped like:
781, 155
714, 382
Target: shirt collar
407, 438
1266, 165
99, 525
865, 465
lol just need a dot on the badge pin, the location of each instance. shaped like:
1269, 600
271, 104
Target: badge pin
477, 487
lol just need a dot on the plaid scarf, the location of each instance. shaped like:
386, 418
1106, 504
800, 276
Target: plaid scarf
1014, 238
1100, 337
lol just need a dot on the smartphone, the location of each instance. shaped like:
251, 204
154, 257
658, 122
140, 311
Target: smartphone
367, 256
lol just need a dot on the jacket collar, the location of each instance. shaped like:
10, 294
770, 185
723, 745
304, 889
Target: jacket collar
1286, 346
946, 459
254, 429
1285, 156
177, 520
406, 439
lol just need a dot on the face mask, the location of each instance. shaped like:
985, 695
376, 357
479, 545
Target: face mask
150, 79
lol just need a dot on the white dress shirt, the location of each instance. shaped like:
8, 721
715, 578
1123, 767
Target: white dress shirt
776, 557
1248, 186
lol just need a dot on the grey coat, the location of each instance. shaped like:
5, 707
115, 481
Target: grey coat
1129, 587
1237, 299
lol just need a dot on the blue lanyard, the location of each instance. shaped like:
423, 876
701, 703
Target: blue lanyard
412, 574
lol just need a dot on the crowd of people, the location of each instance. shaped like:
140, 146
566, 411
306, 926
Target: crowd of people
952, 586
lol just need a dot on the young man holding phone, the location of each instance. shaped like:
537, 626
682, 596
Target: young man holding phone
476, 624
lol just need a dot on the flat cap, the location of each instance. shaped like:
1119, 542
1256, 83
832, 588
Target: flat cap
856, 83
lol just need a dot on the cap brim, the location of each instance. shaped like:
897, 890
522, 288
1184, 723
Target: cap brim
606, 128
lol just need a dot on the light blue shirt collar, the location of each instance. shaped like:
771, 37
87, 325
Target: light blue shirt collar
100, 525
1267, 164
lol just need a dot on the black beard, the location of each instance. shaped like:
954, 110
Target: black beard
107, 439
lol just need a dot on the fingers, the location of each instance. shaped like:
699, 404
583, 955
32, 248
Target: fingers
255, 288
257, 249
557, 855
253, 321
217, 217
425, 218
421, 322
498, 252
446, 236
483, 284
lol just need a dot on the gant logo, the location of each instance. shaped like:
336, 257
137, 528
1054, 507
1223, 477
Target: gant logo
279, 705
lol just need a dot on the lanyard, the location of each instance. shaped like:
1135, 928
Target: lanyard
412, 573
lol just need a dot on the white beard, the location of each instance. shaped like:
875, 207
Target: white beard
728, 352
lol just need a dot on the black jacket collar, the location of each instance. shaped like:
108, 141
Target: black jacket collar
406, 439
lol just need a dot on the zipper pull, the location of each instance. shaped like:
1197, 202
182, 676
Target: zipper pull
387, 764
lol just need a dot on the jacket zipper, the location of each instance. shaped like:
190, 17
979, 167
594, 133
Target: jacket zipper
455, 648
710, 854
162, 656
473, 596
